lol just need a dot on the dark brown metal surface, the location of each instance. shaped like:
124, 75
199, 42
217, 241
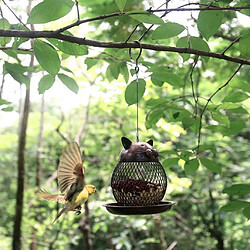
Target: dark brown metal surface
118, 209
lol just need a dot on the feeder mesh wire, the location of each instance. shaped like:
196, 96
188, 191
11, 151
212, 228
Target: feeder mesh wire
139, 183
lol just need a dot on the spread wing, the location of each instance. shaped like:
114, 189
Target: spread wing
70, 168
52, 197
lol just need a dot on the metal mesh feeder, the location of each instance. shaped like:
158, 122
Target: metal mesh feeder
138, 183
139, 188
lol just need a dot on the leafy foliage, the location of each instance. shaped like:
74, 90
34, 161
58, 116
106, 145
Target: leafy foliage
194, 107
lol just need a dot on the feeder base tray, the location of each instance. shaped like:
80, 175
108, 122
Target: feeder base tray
116, 208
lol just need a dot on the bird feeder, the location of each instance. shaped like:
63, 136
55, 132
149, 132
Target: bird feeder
138, 188
139, 185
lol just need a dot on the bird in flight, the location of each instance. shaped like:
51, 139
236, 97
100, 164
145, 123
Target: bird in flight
71, 182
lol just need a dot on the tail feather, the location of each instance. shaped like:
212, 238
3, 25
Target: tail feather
64, 210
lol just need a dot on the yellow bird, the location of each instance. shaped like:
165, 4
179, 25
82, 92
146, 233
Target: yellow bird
70, 176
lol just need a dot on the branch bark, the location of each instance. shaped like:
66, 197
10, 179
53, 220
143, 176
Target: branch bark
119, 45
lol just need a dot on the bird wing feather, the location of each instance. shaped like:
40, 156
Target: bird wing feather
70, 168
52, 197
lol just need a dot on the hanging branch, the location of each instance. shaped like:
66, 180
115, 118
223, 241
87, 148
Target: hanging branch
209, 99
121, 45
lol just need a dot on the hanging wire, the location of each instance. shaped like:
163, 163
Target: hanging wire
137, 87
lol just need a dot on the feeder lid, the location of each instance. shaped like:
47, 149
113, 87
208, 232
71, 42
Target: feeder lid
118, 209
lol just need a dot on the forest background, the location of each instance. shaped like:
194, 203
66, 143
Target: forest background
66, 75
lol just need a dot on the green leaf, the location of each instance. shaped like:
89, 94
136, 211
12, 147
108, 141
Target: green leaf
145, 17
234, 206
156, 82
209, 22
221, 118
236, 97
113, 69
185, 155
239, 110
153, 117
45, 83
167, 30
47, 57
228, 105
237, 189
193, 43
124, 71
50, 10
187, 122
17, 72
170, 162
244, 45
7, 109
131, 90
211, 165
4, 25
121, 4
191, 166
246, 212
156, 102
168, 77
235, 128
90, 62
70, 48
4, 102
69, 82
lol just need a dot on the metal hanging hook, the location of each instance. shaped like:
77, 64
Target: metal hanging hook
139, 55
137, 87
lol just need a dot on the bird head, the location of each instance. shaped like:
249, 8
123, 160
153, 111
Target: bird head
91, 189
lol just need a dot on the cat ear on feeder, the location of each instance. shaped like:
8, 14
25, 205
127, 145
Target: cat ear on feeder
150, 142
126, 142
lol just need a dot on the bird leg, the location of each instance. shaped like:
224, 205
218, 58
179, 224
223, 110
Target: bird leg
78, 209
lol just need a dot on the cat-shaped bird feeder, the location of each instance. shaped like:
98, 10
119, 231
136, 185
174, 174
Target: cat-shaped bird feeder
139, 181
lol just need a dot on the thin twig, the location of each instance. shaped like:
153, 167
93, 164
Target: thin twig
15, 14
2, 84
209, 99
235, 41
83, 41
59, 126
192, 83
150, 27
133, 31
77, 23
201, 9
77, 10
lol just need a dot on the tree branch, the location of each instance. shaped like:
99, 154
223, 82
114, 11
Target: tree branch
209, 99
119, 45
